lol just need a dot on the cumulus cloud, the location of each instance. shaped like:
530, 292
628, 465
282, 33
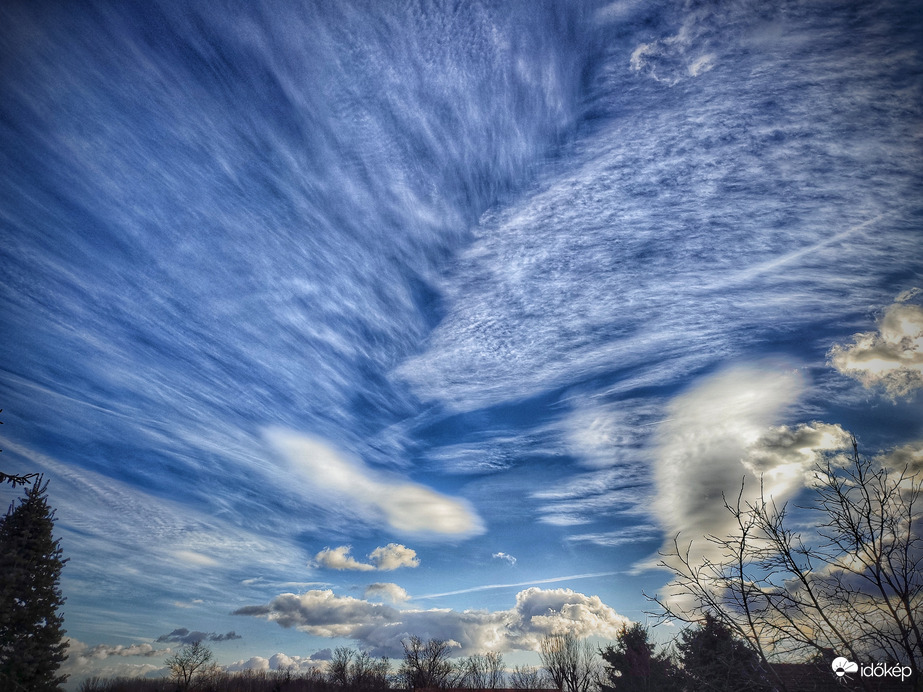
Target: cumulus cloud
891, 357
380, 628
505, 556
339, 558
386, 591
83, 660
402, 504
182, 635
721, 434
385, 558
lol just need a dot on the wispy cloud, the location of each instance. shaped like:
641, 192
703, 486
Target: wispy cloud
505, 556
385, 558
532, 582
892, 356
379, 628
400, 503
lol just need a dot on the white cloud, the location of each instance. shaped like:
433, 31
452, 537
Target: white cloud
505, 556
339, 558
891, 357
719, 435
672, 58
380, 628
393, 556
386, 591
384, 559
402, 504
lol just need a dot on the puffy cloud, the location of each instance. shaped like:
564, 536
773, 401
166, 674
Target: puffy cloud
505, 556
386, 591
402, 504
339, 558
393, 556
891, 357
385, 558
720, 435
707, 433
380, 628
182, 635
83, 660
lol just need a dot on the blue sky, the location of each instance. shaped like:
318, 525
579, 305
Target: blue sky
332, 323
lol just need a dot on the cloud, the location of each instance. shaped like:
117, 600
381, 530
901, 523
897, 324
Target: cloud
339, 558
184, 636
393, 556
891, 357
380, 628
402, 504
721, 434
673, 58
505, 556
384, 559
83, 660
908, 456
386, 591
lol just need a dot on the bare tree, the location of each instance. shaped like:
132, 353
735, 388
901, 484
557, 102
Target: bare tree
191, 664
425, 664
854, 587
528, 678
480, 671
571, 663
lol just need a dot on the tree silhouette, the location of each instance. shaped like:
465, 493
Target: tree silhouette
634, 665
32, 645
714, 659
190, 664
853, 586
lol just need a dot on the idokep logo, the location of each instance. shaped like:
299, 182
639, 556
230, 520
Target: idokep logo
843, 666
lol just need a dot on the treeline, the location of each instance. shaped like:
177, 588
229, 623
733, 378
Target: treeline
706, 657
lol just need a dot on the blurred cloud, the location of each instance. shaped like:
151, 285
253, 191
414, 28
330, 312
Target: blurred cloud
380, 628
891, 357
403, 505
908, 456
386, 591
505, 556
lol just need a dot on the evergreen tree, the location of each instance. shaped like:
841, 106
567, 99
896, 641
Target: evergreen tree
634, 666
32, 645
713, 659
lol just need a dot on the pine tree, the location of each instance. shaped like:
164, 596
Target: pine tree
32, 645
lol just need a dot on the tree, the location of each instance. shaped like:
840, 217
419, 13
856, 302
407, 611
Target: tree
190, 664
32, 645
528, 678
480, 671
714, 659
634, 666
425, 664
571, 663
855, 587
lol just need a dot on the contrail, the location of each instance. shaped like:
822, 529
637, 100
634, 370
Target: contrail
521, 583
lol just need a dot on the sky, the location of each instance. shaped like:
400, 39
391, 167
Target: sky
332, 323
